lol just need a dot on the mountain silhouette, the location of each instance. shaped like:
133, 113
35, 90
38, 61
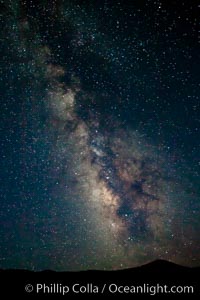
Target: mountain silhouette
155, 266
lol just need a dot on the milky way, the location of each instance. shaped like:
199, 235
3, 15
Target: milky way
102, 177
122, 183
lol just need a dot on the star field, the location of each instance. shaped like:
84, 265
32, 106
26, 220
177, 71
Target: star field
99, 134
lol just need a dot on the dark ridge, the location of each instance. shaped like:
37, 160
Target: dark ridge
164, 265
157, 265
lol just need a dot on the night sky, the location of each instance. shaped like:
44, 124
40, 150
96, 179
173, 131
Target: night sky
99, 134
